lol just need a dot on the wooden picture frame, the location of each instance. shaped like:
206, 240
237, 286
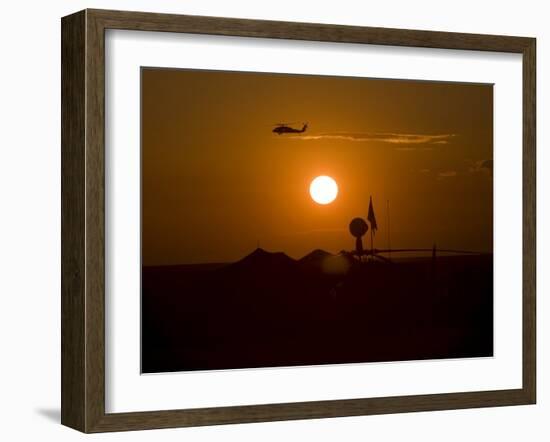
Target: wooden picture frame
83, 220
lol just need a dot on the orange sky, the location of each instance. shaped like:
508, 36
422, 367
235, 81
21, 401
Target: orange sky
216, 180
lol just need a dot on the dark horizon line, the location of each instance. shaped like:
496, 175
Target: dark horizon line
384, 251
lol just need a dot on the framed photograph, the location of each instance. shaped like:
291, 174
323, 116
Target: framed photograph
268, 220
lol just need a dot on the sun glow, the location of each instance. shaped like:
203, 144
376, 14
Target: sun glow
323, 190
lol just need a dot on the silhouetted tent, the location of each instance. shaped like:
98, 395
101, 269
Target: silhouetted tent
315, 256
318, 260
264, 259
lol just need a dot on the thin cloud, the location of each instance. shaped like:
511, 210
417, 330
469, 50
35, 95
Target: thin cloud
484, 166
316, 231
412, 148
381, 137
446, 174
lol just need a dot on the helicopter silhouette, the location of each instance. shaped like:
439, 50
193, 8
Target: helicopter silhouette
284, 128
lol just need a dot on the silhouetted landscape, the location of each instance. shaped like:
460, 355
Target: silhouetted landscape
271, 310
251, 182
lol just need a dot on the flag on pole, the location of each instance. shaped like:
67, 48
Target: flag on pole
372, 218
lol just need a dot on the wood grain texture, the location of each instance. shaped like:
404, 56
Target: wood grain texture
73, 103
95, 222
308, 410
83, 219
529, 220
306, 31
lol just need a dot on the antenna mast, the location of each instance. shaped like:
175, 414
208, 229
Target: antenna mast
389, 243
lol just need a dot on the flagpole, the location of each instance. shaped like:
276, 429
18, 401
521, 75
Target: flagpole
389, 241
371, 244
372, 219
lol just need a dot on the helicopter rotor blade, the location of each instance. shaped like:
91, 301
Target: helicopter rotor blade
286, 124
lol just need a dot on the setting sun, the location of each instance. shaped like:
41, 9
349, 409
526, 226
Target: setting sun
323, 190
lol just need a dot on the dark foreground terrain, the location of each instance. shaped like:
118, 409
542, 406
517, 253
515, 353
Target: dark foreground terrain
270, 310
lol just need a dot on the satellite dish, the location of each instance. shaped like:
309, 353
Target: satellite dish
358, 227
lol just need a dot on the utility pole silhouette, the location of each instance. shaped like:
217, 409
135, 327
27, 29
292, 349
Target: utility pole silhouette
373, 226
358, 227
389, 242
